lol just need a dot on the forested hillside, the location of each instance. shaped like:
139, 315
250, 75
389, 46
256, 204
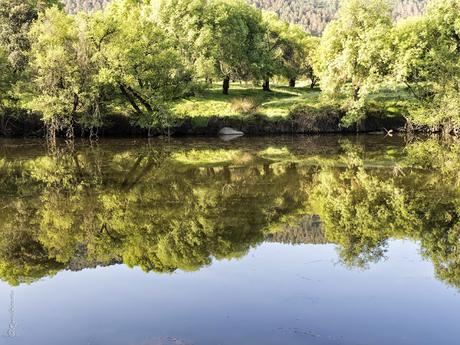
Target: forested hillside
311, 14
315, 14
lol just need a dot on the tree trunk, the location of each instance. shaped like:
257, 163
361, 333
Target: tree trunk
226, 85
313, 83
356, 90
292, 82
130, 99
144, 102
266, 85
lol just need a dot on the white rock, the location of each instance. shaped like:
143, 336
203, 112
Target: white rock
229, 131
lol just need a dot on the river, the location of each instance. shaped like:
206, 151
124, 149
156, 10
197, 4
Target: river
347, 240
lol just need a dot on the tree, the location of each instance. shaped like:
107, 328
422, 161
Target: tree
7, 80
135, 56
312, 60
236, 40
299, 52
185, 21
16, 17
275, 48
360, 210
412, 64
427, 60
355, 52
63, 71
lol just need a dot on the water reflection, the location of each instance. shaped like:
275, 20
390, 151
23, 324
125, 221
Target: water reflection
182, 204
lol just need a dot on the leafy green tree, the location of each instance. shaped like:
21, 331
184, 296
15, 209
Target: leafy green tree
299, 54
73, 217
134, 55
186, 22
16, 17
6, 81
276, 47
412, 64
236, 40
312, 61
360, 211
427, 61
288, 52
63, 70
355, 52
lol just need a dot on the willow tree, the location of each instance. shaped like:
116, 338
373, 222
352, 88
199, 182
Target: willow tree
355, 52
289, 51
62, 70
16, 19
427, 60
186, 22
5, 78
275, 45
8, 100
135, 56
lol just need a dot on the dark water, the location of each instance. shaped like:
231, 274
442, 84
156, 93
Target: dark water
328, 240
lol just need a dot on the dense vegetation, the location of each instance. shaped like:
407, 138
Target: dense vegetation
144, 59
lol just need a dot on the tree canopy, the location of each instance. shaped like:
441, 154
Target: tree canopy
135, 59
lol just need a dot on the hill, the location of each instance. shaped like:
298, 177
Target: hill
313, 15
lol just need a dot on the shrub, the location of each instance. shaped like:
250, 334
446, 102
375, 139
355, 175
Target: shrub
309, 119
246, 106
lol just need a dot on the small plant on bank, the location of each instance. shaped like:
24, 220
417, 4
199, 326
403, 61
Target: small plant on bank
246, 106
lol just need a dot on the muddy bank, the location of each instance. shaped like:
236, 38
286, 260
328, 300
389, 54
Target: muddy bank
306, 120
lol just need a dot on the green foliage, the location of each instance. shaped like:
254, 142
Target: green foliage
161, 211
137, 58
61, 59
355, 53
148, 60
427, 61
362, 207
6, 79
236, 46
360, 211
312, 15
186, 21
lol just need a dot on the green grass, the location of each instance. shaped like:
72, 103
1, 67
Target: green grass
212, 102
393, 101
275, 104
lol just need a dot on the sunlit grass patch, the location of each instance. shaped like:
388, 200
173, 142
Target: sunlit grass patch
211, 101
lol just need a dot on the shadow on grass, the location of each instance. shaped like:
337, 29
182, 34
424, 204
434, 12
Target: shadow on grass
278, 102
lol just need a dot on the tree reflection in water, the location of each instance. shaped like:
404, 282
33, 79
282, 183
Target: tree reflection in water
164, 207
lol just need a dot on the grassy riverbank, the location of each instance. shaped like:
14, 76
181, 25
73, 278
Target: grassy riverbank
247, 108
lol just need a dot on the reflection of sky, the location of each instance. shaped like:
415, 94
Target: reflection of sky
277, 294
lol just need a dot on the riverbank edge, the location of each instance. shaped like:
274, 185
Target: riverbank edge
307, 120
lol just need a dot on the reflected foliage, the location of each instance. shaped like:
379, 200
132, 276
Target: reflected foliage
147, 207
417, 198
169, 206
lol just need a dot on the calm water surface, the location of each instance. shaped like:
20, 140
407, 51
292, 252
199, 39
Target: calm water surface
323, 240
